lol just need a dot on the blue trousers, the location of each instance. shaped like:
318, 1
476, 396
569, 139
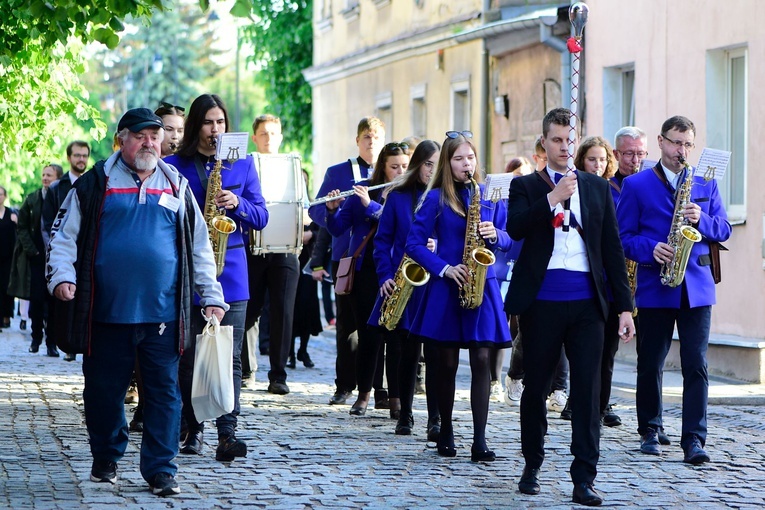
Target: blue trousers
656, 327
107, 371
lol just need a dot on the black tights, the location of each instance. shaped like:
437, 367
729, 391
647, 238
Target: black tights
480, 386
303, 344
407, 376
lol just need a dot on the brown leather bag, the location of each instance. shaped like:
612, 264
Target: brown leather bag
346, 268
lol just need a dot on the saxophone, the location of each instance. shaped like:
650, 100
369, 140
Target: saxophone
219, 226
408, 276
476, 257
682, 236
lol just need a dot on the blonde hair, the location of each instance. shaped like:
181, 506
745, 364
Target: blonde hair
370, 124
442, 178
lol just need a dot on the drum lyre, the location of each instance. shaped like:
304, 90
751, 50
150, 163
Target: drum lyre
282, 186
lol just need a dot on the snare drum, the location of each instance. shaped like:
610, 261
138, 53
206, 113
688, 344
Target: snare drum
282, 186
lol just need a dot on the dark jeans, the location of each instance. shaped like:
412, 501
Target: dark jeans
279, 273
107, 371
656, 328
234, 317
578, 327
346, 340
326, 300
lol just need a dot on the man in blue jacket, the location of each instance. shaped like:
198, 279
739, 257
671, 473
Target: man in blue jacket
370, 138
646, 213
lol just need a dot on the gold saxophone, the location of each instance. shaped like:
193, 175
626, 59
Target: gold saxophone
682, 236
476, 257
408, 276
219, 226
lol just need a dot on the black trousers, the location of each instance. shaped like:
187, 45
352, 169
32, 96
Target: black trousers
346, 340
610, 346
578, 327
279, 273
656, 328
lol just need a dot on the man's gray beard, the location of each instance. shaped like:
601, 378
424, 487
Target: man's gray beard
145, 161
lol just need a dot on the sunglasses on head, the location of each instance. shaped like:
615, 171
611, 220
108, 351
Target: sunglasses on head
455, 134
395, 145
170, 106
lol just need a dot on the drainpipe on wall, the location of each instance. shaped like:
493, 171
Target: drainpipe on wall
484, 117
546, 37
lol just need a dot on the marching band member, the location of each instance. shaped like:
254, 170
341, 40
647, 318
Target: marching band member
390, 240
558, 289
242, 201
360, 214
440, 320
173, 118
646, 214
370, 138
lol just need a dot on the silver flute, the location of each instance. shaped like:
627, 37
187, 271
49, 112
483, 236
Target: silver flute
324, 200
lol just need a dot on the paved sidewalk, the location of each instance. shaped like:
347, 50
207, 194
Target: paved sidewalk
304, 453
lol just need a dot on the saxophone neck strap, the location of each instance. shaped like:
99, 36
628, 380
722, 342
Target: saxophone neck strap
201, 172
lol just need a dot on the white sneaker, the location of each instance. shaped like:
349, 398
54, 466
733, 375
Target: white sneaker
557, 401
513, 390
496, 391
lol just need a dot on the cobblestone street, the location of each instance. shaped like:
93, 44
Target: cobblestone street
304, 453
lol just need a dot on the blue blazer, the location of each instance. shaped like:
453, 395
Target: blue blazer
242, 180
440, 317
645, 213
353, 216
340, 177
390, 241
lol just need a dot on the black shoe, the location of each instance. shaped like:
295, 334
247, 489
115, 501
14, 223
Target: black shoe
529, 483
404, 425
446, 445
70, 357
53, 352
103, 471
305, 358
434, 429
694, 453
649, 443
34, 347
382, 403
135, 425
566, 413
339, 397
193, 443
23, 325
278, 388
609, 418
291, 361
482, 455
358, 409
663, 438
164, 484
229, 447
585, 494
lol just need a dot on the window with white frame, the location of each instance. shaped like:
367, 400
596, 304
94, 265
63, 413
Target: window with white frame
727, 104
460, 120
618, 98
419, 111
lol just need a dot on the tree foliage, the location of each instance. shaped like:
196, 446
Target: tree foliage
282, 36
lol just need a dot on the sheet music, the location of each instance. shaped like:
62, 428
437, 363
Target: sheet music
500, 182
647, 163
231, 146
713, 163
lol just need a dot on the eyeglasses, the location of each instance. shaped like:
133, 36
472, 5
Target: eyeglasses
396, 145
170, 106
678, 143
456, 134
630, 154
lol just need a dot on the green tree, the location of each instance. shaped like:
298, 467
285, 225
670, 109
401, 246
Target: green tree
282, 37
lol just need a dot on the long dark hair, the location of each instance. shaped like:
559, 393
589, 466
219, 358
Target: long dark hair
195, 120
391, 149
425, 149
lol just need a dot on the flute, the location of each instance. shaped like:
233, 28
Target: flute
324, 200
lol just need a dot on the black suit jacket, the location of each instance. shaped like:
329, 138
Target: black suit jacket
529, 219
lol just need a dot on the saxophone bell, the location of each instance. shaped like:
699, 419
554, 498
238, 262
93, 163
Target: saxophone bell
408, 276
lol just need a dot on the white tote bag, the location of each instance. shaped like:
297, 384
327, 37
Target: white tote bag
212, 389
